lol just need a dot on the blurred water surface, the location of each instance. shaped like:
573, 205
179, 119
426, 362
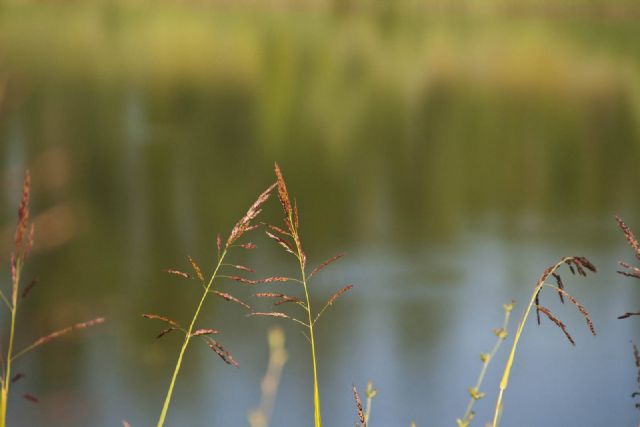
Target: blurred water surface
452, 155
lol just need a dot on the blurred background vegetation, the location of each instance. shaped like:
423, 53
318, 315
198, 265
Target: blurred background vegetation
453, 148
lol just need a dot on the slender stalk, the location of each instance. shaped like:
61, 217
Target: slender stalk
370, 393
486, 360
185, 344
7, 377
367, 412
303, 275
316, 394
507, 370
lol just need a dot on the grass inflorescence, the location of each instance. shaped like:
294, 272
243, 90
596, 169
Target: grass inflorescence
288, 238
23, 244
636, 358
364, 413
577, 265
221, 270
627, 269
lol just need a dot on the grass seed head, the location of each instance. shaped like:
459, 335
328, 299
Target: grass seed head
558, 323
356, 396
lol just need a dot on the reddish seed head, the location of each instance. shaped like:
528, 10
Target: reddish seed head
325, 264
558, 323
359, 408
283, 195
628, 234
196, 268
23, 212
228, 297
30, 397
222, 352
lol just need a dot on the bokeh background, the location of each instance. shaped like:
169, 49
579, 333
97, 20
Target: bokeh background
453, 149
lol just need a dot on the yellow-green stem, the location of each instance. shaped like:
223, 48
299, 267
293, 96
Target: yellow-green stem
485, 364
185, 344
317, 419
7, 377
507, 369
316, 393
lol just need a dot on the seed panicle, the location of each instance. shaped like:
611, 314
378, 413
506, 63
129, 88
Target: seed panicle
177, 273
82, 325
27, 289
337, 295
166, 331
162, 318
628, 234
222, 352
200, 332
196, 268
231, 298
361, 417
243, 225
325, 264
558, 323
580, 308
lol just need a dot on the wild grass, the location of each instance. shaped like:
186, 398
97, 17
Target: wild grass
364, 414
634, 272
220, 271
577, 265
288, 238
627, 269
486, 358
24, 238
636, 358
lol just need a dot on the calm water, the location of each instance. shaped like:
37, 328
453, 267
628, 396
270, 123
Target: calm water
452, 157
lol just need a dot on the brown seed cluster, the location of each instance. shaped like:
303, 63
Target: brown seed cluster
288, 239
27, 289
241, 228
325, 264
229, 297
161, 318
200, 332
222, 352
177, 273
83, 325
244, 224
628, 270
196, 268
23, 213
557, 321
636, 357
23, 239
270, 314
577, 265
628, 234
361, 417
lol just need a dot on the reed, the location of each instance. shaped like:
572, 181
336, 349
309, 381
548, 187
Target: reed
577, 265
220, 271
24, 238
486, 358
288, 238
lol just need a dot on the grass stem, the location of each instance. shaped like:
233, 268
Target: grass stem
187, 339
